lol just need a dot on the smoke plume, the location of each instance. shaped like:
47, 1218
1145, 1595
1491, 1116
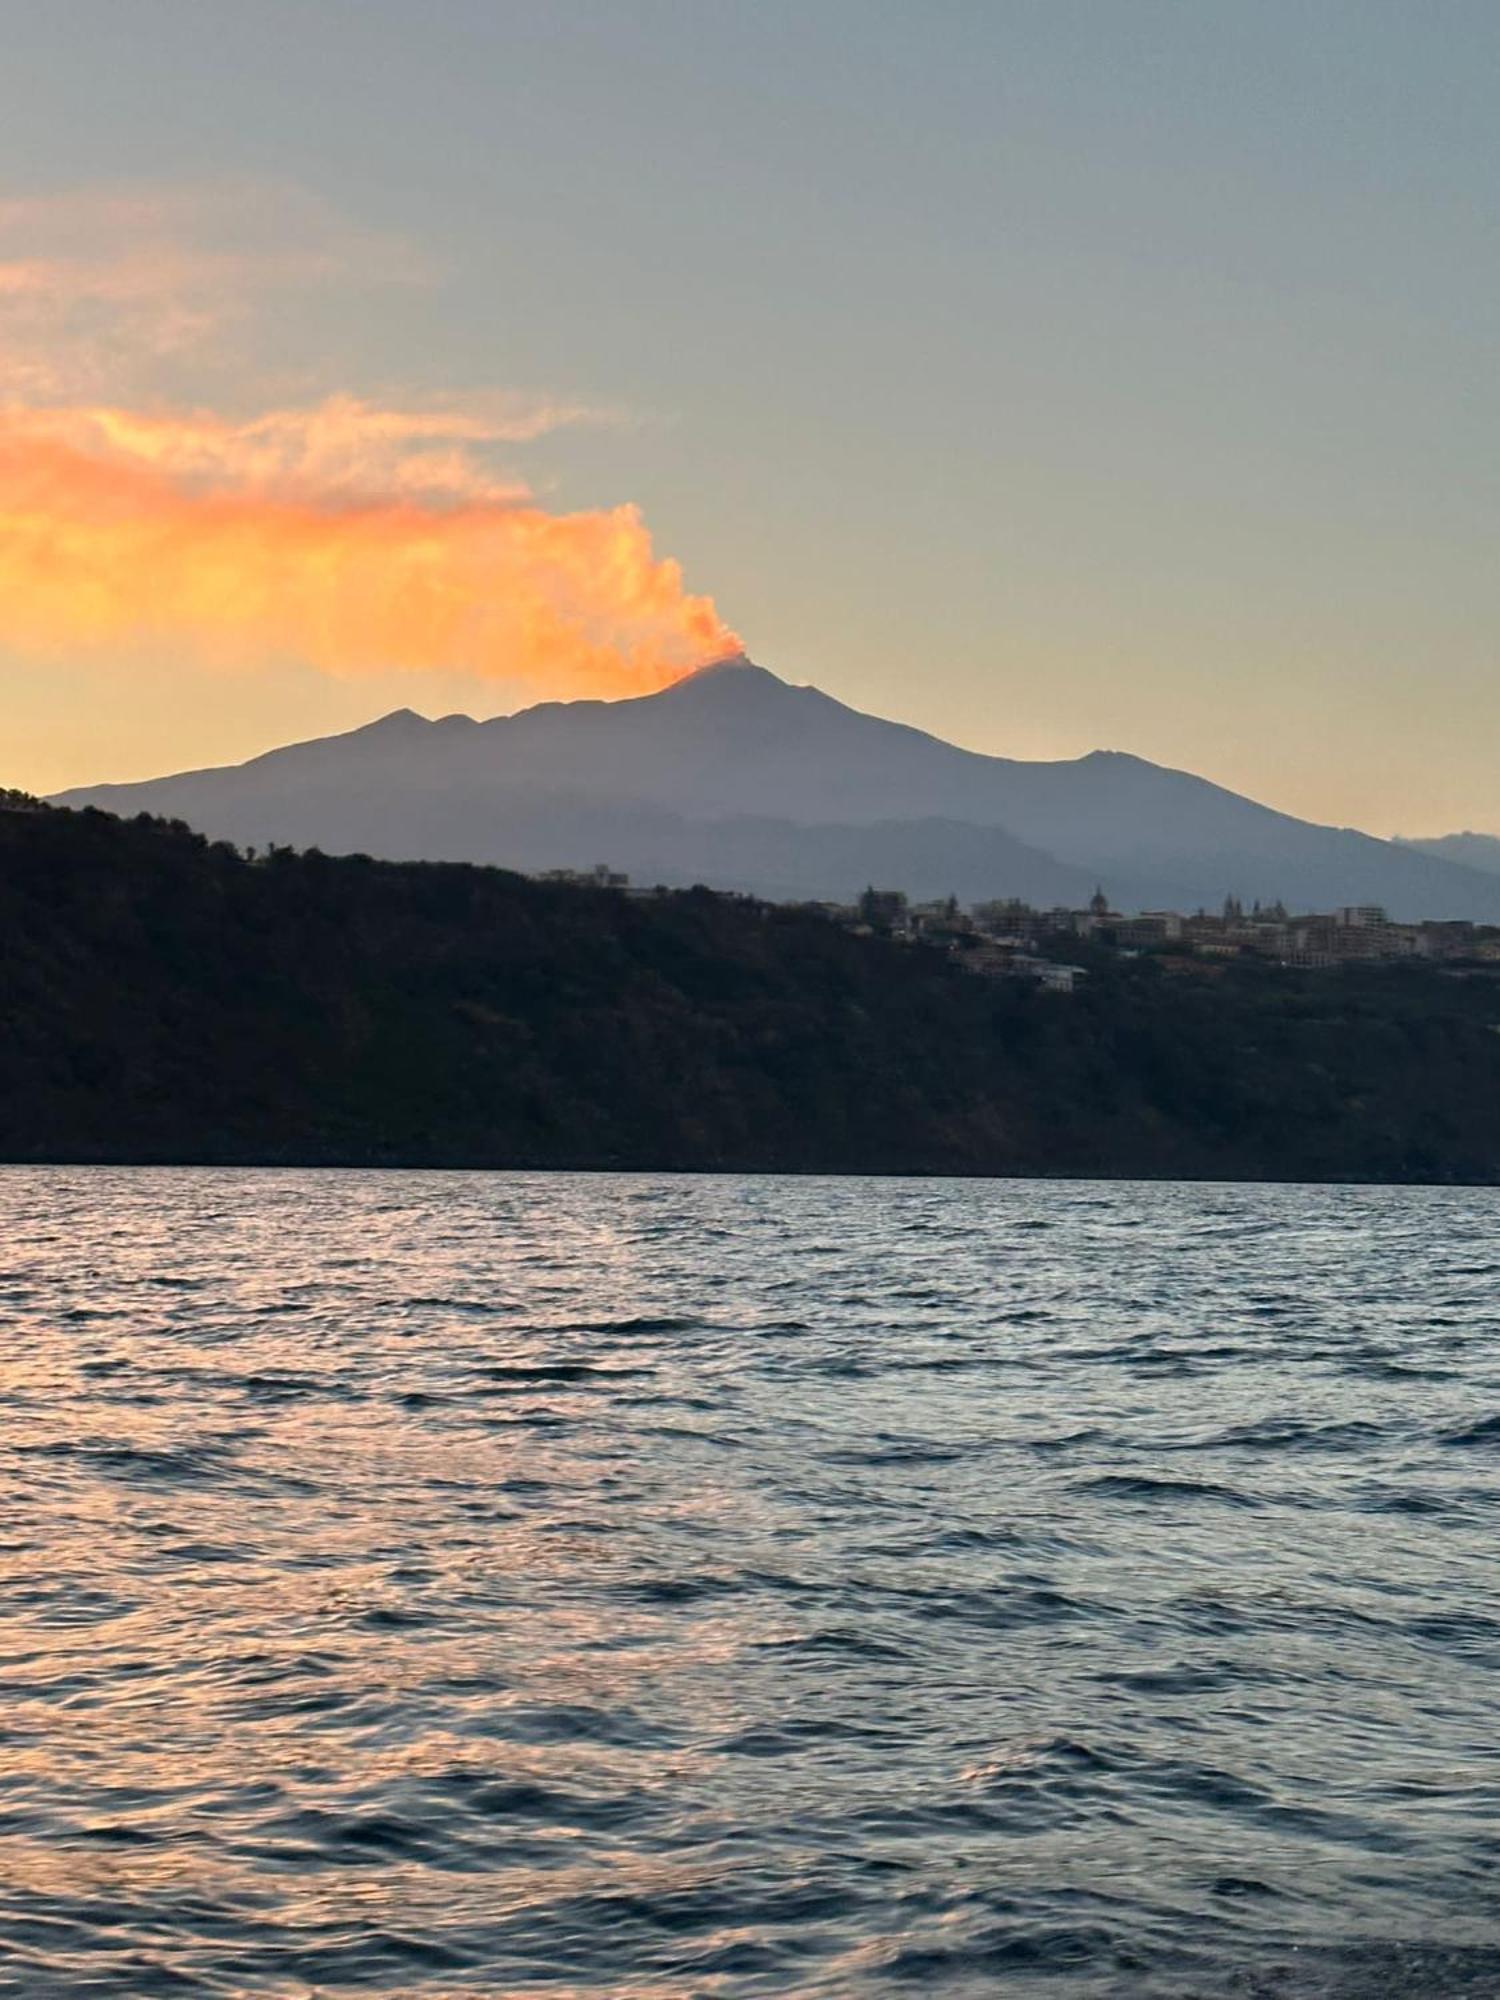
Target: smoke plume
349, 537
345, 533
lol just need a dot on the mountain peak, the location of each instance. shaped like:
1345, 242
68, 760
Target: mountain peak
735, 670
732, 686
400, 721
731, 663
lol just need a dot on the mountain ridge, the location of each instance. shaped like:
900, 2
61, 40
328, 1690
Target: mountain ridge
667, 778
1472, 850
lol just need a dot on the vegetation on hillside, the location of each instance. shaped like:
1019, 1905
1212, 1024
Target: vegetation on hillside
165, 999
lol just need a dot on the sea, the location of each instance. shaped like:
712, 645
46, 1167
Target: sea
613, 1585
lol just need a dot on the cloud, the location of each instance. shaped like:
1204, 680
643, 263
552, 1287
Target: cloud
352, 533
340, 446
111, 553
100, 288
260, 230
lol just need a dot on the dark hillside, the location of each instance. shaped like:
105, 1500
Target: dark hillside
162, 999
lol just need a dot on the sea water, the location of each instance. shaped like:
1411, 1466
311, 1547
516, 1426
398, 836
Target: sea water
612, 1585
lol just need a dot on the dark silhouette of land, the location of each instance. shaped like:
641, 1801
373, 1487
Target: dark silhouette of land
164, 999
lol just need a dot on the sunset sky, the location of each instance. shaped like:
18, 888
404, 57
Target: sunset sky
1051, 375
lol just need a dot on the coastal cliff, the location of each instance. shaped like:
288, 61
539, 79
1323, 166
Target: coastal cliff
165, 999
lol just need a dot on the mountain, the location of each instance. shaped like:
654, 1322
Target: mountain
1473, 850
735, 778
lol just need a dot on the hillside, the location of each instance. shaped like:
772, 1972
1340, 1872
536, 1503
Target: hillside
162, 999
1470, 850
735, 778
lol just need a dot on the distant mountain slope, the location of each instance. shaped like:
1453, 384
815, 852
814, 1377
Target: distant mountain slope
656, 785
1471, 850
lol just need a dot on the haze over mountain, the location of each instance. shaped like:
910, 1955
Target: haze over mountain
734, 778
1473, 850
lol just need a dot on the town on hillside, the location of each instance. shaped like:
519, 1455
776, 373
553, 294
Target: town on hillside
1007, 938
1263, 931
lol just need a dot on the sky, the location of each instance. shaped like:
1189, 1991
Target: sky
1051, 374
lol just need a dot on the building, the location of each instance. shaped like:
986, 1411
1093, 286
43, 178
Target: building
600, 876
1150, 928
1049, 975
1009, 919
883, 909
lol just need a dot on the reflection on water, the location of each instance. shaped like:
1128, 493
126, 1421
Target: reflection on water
442, 1585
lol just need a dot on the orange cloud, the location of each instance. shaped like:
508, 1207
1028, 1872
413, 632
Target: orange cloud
341, 445
117, 534
348, 534
99, 286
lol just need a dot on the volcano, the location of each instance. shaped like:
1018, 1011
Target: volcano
740, 780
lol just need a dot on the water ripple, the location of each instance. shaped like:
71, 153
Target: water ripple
611, 1586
